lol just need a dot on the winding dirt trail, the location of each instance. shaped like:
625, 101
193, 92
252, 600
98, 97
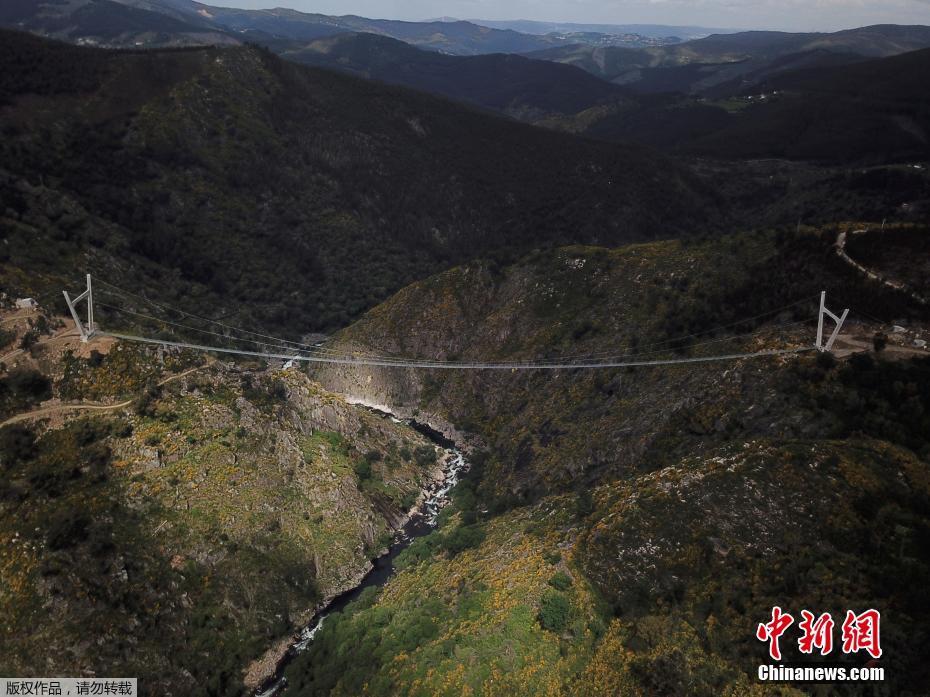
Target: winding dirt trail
847, 344
63, 408
841, 240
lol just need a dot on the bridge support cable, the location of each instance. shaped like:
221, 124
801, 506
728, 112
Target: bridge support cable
270, 340
276, 343
269, 347
439, 365
267, 343
264, 347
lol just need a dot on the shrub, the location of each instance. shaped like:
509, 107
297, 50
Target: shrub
67, 529
553, 611
122, 429
263, 394
419, 550
561, 581
87, 431
145, 402
17, 444
29, 340
6, 337
362, 469
462, 538
425, 455
408, 500
27, 385
584, 503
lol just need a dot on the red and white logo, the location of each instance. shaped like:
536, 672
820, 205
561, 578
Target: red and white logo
860, 632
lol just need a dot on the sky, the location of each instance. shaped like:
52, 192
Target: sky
790, 15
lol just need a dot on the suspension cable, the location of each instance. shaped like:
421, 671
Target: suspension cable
318, 350
454, 366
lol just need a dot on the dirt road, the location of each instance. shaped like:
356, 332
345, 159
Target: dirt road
56, 409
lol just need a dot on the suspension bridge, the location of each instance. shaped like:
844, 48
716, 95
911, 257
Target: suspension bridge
274, 348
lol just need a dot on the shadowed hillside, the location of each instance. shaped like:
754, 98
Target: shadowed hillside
111, 23
869, 112
521, 87
221, 175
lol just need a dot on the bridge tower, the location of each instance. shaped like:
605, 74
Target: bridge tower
86, 331
836, 331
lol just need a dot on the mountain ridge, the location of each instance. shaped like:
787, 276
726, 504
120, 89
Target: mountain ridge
216, 149
726, 57
509, 83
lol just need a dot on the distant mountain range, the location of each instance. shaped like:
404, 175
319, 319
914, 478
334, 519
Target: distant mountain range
743, 58
515, 85
184, 22
711, 96
645, 58
112, 23
873, 111
651, 31
727, 119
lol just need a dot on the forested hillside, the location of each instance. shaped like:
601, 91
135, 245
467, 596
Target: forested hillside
626, 529
521, 87
225, 174
869, 112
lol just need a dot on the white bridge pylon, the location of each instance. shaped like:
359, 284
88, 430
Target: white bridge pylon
86, 331
836, 331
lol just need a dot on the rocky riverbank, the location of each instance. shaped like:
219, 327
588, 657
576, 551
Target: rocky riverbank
264, 676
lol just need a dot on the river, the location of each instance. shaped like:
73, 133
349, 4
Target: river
437, 496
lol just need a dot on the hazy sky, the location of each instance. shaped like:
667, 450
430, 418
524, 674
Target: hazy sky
794, 15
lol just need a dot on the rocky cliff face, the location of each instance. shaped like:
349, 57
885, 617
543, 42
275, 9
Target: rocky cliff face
556, 428
202, 512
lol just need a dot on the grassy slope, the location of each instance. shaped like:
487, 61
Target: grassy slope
717, 491
234, 179
670, 573
178, 542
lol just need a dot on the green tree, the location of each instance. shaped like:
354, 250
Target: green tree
553, 611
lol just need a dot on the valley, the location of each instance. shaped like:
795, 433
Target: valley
582, 467
194, 498
448, 357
